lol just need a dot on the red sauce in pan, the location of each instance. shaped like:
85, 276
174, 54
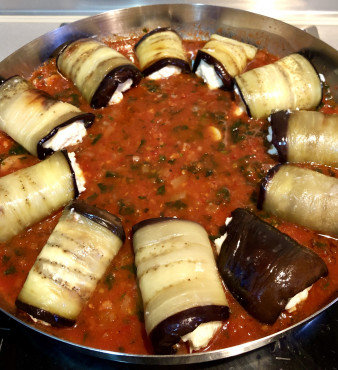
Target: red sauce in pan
170, 148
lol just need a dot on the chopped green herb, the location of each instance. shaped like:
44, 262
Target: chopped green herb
96, 139
5, 258
99, 115
17, 149
152, 86
112, 174
104, 188
146, 210
109, 281
121, 349
177, 204
130, 267
180, 128
142, 197
172, 161
143, 141
160, 190
223, 195
208, 173
92, 197
10, 270
161, 158
132, 98
145, 30
75, 99
125, 209
238, 131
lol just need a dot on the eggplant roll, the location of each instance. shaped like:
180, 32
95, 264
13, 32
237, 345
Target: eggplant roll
161, 54
40, 123
289, 83
31, 194
302, 196
100, 73
221, 59
302, 136
74, 259
265, 269
182, 292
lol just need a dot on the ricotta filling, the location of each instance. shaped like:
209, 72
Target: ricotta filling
208, 74
201, 336
272, 150
68, 135
165, 72
219, 241
298, 298
121, 88
79, 177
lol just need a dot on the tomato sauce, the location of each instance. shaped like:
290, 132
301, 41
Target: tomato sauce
170, 148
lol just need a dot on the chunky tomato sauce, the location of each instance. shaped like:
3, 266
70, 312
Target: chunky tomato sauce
170, 148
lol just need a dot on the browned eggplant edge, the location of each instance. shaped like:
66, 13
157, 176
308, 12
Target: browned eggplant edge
152, 32
43, 315
111, 81
88, 120
169, 332
100, 216
222, 73
279, 125
264, 183
76, 189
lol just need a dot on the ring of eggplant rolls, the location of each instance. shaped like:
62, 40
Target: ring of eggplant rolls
305, 136
263, 268
31, 194
221, 59
38, 122
301, 196
100, 73
74, 259
289, 83
182, 292
160, 48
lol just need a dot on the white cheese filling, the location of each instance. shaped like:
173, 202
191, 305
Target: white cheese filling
209, 75
68, 135
301, 296
272, 150
165, 72
201, 336
219, 241
121, 88
79, 177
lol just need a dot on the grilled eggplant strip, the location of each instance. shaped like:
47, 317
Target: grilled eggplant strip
74, 259
179, 283
302, 196
159, 49
224, 58
31, 194
264, 268
302, 136
99, 72
289, 83
37, 121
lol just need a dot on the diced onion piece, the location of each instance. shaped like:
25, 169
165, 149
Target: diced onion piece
289, 83
31, 194
71, 263
37, 121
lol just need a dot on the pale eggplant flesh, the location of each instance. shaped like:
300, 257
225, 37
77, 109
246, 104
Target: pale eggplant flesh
305, 136
289, 83
95, 69
32, 117
31, 194
228, 57
301, 196
264, 268
74, 259
178, 279
159, 48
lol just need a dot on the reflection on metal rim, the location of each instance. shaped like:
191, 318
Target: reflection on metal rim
275, 36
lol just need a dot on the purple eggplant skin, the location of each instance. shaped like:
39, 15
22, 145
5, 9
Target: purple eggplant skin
169, 332
227, 80
263, 268
45, 316
279, 125
100, 216
264, 183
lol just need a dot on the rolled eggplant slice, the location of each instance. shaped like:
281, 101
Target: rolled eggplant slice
265, 269
99, 72
74, 259
182, 292
31, 194
221, 59
40, 123
302, 196
161, 54
305, 136
289, 83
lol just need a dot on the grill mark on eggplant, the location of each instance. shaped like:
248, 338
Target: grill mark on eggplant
156, 30
292, 99
64, 250
77, 62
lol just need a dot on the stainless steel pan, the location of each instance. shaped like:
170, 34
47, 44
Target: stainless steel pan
190, 20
